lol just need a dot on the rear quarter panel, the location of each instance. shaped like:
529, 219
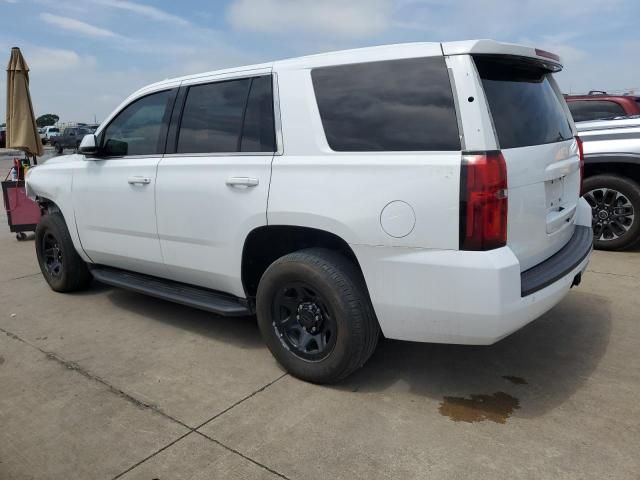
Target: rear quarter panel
345, 193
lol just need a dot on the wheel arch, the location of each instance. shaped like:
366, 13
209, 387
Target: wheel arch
48, 207
265, 244
626, 165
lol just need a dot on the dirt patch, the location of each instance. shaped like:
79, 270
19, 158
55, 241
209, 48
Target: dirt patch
1, 360
478, 408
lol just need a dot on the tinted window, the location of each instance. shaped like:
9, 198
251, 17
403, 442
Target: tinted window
54, 130
212, 117
524, 106
258, 133
398, 105
137, 129
583, 110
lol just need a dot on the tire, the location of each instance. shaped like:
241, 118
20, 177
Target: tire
58, 148
60, 264
322, 283
608, 196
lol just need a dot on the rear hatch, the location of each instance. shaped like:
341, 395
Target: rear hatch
535, 135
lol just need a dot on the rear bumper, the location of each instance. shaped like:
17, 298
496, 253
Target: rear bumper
464, 297
560, 264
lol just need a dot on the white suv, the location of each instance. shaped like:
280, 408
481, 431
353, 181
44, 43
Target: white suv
427, 191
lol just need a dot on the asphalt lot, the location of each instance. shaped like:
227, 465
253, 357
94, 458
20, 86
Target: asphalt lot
110, 384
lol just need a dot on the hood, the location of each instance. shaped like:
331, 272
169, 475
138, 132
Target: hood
62, 159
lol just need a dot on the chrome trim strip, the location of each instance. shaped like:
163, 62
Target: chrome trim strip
277, 116
220, 154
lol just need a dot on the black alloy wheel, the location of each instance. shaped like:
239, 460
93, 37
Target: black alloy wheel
61, 266
315, 315
52, 255
303, 322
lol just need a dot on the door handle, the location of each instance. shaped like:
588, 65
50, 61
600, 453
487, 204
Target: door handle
139, 180
242, 182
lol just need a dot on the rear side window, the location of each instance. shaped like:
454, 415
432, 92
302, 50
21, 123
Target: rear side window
231, 116
583, 110
524, 106
397, 105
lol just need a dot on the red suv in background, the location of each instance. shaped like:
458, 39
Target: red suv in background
597, 105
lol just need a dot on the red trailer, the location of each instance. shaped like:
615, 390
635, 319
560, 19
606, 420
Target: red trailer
23, 214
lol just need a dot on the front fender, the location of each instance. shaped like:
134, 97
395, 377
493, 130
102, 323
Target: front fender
53, 182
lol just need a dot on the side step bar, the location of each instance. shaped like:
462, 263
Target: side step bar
209, 300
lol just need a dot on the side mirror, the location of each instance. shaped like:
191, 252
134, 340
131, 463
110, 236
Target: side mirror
88, 145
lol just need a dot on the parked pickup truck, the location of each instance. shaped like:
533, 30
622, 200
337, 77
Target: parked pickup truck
407, 190
599, 105
612, 180
69, 138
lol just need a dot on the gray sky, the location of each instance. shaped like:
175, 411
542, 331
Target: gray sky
87, 56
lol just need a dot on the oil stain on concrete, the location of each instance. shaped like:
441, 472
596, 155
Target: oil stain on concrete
478, 408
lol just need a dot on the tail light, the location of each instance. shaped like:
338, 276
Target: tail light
483, 201
581, 153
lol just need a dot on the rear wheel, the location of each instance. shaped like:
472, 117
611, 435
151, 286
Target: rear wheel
615, 208
60, 264
315, 315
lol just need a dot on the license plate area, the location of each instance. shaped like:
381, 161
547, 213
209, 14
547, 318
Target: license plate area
554, 193
559, 213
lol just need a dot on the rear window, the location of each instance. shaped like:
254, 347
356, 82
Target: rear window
583, 110
524, 106
398, 105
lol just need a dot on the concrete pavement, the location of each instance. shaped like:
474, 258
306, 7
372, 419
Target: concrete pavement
110, 384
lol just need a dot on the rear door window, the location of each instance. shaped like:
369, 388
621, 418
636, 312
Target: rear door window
258, 132
212, 117
583, 110
397, 105
524, 107
229, 116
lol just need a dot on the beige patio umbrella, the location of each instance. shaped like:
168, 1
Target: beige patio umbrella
22, 132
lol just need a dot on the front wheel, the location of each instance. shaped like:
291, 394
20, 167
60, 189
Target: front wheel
315, 315
58, 148
61, 266
615, 208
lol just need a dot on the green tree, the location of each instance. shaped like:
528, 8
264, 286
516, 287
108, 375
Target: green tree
47, 120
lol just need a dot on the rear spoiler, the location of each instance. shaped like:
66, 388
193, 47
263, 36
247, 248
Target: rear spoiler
491, 47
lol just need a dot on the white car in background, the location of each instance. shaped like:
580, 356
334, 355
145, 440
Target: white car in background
48, 133
428, 191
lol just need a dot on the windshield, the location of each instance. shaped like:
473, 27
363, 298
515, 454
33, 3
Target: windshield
54, 130
524, 105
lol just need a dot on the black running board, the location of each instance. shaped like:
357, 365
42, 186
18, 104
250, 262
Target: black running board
201, 298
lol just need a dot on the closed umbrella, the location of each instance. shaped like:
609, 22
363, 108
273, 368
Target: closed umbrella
22, 131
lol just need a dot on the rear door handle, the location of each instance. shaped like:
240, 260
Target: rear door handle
242, 182
139, 180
